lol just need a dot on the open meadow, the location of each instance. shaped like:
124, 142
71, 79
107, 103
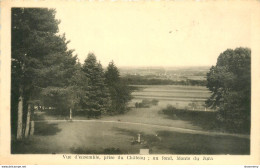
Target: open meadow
176, 95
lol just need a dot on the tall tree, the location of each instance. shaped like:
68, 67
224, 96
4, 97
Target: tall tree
230, 84
40, 60
96, 99
119, 91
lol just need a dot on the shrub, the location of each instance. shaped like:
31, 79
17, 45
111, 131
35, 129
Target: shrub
146, 103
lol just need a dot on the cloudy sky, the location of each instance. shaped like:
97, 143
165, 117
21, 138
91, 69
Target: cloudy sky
155, 33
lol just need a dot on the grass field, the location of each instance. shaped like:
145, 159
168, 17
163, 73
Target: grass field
176, 95
115, 134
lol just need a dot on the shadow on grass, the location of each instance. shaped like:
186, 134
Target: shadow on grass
31, 145
183, 143
28, 146
205, 120
44, 128
169, 142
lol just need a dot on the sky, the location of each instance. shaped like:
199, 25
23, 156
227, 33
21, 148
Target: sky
155, 33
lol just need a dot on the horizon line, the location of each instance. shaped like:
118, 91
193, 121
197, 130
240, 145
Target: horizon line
161, 66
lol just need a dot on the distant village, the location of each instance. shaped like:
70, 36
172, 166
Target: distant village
171, 73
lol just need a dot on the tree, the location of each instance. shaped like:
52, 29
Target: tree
112, 74
78, 83
64, 95
230, 84
119, 91
96, 99
40, 62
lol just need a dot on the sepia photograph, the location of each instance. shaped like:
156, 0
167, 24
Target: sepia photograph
139, 78
86, 88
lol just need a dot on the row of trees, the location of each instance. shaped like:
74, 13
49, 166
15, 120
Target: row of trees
46, 73
230, 84
146, 80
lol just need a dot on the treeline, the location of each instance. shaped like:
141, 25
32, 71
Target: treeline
45, 73
142, 80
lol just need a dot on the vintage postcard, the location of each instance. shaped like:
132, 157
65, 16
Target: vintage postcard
130, 82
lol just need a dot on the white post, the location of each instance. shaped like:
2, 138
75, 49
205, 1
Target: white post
70, 114
139, 138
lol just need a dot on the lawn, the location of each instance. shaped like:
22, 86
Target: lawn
116, 138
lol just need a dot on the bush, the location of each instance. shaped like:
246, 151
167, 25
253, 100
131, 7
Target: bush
146, 103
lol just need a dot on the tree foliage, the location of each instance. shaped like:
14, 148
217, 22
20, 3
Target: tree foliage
119, 91
230, 84
42, 65
96, 99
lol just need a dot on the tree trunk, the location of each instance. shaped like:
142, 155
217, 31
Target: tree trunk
20, 118
32, 128
28, 119
32, 121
